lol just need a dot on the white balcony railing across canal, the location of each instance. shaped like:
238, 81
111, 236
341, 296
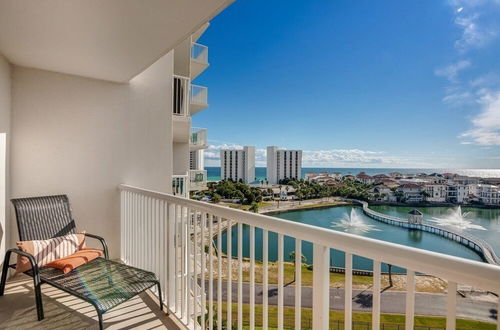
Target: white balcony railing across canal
197, 179
198, 138
172, 236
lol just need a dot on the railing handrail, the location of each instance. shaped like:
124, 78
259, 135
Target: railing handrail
197, 129
201, 55
464, 271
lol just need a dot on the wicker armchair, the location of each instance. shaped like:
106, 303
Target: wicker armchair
102, 282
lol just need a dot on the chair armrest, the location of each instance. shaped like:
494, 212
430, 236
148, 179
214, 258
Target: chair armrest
34, 265
103, 242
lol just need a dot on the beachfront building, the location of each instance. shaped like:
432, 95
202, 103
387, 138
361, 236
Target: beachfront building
383, 193
364, 178
322, 177
283, 164
238, 164
436, 193
410, 193
457, 193
486, 193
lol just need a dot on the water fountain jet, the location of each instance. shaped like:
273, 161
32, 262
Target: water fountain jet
354, 223
455, 218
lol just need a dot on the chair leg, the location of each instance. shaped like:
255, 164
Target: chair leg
38, 298
159, 295
5, 270
101, 325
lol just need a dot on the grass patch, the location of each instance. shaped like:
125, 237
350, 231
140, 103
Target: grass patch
360, 320
245, 207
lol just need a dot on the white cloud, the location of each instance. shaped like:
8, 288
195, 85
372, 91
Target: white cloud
451, 71
324, 158
476, 32
486, 126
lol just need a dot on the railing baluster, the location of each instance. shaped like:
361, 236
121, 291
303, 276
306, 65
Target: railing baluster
252, 277
172, 257
229, 299
321, 286
280, 281
451, 306
194, 277
376, 295
164, 238
298, 283
203, 268
348, 292
265, 285
219, 273
210, 273
185, 252
410, 299
240, 276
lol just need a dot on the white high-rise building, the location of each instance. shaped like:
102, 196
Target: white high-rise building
238, 164
283, 164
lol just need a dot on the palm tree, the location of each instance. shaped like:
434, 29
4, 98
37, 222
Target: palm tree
292, 256
254, 207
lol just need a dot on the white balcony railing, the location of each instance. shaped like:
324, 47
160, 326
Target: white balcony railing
197, 179
180, 185
180, 99
199, 53
172, 236
199, 95
198, 138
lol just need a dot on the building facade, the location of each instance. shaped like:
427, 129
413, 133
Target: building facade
283, 164
238, 164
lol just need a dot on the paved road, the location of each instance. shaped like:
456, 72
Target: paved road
391, 301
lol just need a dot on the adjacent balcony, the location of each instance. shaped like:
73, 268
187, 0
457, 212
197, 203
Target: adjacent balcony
180, 185
227, 268
197, 180
198, 99
199, 59
198, 138
180, 108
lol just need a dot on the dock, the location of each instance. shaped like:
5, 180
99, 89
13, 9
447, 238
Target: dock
470, 241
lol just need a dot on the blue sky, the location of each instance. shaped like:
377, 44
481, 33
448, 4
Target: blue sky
357, 83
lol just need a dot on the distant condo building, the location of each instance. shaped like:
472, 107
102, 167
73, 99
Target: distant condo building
283, 164
238, 164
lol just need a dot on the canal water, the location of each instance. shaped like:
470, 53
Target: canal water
332, 218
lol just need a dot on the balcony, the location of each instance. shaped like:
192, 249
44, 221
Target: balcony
198, 99
203, 290
197, 180
180, 185
198, 138
199, 59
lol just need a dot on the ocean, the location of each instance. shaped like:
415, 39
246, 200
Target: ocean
213, 173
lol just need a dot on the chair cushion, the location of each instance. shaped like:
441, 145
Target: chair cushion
78, 258
45, 251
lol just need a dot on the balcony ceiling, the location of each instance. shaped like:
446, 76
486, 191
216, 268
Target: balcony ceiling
110, 40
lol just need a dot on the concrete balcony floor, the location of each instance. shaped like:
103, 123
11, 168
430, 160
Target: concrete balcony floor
62, 311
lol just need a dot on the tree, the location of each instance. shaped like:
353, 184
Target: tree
425, 194
254, 207
302, 258
216, 198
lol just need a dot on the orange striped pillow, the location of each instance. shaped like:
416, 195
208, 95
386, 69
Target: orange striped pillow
75, 260
45, 251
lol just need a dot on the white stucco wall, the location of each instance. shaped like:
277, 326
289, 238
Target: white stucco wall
150, 152
83, 137
5, 113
